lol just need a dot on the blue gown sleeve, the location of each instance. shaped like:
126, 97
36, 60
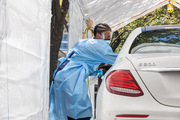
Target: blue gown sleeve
109, 56
99, 50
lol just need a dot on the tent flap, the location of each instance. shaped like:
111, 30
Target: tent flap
24, 59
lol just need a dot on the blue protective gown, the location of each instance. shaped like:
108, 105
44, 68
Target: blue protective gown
68, 94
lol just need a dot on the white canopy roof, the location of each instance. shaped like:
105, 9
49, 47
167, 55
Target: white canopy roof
116, 13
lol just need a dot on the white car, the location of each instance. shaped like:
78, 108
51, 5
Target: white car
144, 82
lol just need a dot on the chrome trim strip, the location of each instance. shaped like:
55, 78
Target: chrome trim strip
161, 69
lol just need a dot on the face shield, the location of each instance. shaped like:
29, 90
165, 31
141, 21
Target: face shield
107, 36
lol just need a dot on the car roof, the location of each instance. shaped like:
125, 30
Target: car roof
158, 27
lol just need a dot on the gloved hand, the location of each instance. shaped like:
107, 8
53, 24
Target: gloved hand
100, 73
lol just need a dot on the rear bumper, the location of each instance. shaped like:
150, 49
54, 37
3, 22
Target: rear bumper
109, 105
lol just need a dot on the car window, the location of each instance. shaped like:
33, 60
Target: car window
157, 41
2, 19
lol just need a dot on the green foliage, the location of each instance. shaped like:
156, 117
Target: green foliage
158, 17
67, 16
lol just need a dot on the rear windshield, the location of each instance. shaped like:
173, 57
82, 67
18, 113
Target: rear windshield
157, 41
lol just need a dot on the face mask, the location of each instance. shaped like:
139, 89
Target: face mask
108, 42
107, 39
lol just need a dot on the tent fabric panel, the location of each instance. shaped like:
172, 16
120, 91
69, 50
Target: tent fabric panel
24, 61
76, 23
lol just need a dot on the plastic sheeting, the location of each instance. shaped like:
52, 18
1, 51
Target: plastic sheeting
77, 23
24, 59
116, 13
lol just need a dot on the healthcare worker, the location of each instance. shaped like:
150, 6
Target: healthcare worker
69, 99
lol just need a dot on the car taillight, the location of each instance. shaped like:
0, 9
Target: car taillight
122, 82
133, 116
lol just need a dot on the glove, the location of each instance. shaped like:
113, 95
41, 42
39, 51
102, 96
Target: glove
100, 73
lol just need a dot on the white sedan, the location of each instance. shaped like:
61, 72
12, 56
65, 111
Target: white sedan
144, 82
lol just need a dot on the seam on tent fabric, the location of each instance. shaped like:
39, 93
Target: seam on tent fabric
80, 9
139, 14
6, 58
26, 52
177, 3
4, 33
148, 9
13, 81
7, 78
163, 2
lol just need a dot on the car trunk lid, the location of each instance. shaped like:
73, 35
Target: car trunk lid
161, 75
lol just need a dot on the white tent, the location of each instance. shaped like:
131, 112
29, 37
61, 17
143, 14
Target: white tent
24, 59
116, 13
